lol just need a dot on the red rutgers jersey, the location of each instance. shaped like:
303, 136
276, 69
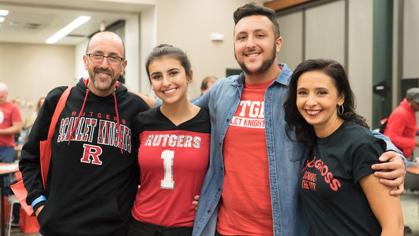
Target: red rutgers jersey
173, 162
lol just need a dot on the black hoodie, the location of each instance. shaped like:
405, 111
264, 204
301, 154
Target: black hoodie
93, 178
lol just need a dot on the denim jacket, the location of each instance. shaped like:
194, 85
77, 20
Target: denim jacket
285, 156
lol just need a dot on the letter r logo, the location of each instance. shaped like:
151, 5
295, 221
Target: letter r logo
91, 154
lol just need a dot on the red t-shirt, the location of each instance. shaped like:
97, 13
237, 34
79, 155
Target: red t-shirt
401, 128
9, 114
173, 162
245, 207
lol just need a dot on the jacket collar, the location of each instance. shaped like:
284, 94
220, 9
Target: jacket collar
283, 78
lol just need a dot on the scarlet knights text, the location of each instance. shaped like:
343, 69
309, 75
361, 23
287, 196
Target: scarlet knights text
106, 132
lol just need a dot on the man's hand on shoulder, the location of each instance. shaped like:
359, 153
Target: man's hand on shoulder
391, 172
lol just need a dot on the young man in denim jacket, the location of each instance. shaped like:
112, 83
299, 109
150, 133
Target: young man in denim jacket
251, 187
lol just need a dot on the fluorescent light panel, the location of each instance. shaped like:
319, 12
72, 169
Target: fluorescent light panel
67, 29
4, 12
2, 19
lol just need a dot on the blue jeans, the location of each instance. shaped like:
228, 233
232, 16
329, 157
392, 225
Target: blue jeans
7, 155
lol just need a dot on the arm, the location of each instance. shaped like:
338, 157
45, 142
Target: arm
30, 163
16, 123
386, 208
392, 170
14, 129
203, 100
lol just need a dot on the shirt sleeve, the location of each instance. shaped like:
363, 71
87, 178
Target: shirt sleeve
366, 154
16, 117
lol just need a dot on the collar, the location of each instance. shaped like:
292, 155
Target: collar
283, 78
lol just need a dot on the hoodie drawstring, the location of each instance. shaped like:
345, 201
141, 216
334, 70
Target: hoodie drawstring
78, 117
118, 123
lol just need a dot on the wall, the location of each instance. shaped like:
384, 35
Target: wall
181, 23
31, 70
320, 32
411, 39
188, 24
360, 54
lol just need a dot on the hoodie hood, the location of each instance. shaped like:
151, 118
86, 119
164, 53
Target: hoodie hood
82, 86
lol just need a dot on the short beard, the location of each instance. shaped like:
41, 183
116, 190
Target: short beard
92, 74
263, 68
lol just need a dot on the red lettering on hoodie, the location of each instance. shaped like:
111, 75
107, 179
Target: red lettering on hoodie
91, 154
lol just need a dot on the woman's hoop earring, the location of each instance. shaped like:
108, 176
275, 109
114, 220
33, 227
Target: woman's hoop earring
341, 110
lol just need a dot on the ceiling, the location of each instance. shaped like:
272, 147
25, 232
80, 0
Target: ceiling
33, 21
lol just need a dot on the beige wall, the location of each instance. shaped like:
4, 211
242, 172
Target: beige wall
325, 38
32, 70
188, 24
360, 57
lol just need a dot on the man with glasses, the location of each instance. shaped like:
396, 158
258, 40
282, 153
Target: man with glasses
10, 125
93, 175
401, 125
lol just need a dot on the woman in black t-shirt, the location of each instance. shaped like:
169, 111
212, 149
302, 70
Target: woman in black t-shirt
339, 193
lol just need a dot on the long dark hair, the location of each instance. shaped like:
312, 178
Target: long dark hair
295, 121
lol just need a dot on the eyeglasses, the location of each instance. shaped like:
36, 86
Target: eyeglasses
113, 59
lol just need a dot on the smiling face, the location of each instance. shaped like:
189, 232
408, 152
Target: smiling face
317, 102
255, 45
103, 73
169, 79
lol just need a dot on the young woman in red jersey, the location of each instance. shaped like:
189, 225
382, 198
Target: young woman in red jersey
338, 191
173, 152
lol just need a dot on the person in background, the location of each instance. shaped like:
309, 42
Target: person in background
27, 125
207, 83
93, 175
401, 124
174, 149
252, 183
10, 126
339, 193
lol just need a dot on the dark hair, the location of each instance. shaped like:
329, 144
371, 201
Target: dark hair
252, 9
295, 121
206, 80
166, 50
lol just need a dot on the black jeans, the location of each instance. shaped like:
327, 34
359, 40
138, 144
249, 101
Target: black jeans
137, 228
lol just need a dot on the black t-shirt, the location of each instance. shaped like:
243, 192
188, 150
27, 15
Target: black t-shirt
331, 195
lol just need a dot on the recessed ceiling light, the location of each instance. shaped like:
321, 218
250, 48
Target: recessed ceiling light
4, 12
14, 23
67, 29
2, 19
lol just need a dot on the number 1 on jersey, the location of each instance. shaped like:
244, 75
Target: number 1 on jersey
167, 181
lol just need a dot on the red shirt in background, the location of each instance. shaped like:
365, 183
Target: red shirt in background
9, 114
401, 128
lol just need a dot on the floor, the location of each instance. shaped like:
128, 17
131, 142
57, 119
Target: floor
410, 205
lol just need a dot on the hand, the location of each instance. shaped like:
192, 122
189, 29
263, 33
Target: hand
38, 210
195, 202
391, 172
